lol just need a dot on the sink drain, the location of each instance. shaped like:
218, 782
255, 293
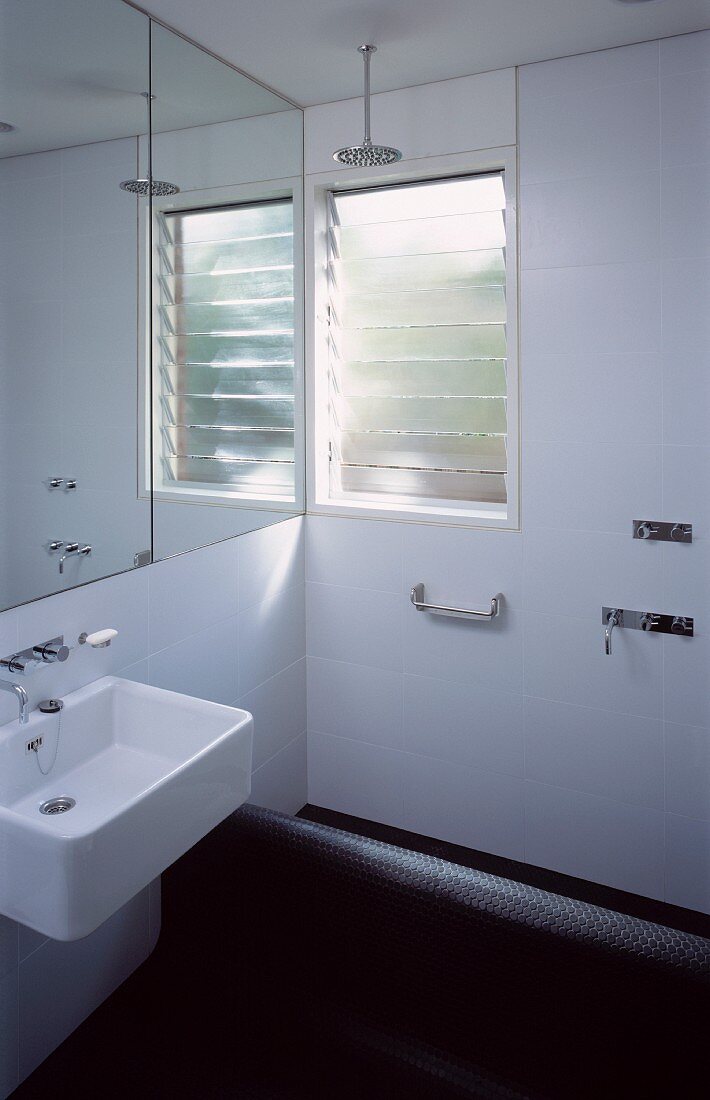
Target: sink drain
57, 805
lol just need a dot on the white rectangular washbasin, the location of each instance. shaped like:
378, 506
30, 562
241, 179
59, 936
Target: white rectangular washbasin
149, 773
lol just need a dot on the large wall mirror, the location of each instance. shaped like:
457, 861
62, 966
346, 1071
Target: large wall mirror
150, 297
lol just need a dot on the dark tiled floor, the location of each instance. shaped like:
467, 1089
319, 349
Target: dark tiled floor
619, 900
191, 1027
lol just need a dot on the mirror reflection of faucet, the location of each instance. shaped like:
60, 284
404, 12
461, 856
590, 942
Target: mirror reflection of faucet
62, 483
69, 548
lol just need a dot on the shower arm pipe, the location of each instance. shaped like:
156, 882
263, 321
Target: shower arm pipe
367, 52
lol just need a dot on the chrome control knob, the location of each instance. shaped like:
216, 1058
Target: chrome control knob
645, 530
679, 532
648, 621
20, 663
51, 652
680, 625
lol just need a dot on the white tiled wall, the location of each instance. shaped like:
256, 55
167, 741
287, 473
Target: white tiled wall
225, 622
521, 737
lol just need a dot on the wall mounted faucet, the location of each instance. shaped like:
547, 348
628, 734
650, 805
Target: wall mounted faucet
26, 661
72, 548
656, 531
22, 697
652, 622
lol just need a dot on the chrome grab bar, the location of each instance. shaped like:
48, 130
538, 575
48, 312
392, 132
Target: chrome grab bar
417, 597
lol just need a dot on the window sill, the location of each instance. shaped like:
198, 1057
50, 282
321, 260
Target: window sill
495, 517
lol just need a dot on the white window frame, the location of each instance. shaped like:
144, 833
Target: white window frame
287, 188
502, 516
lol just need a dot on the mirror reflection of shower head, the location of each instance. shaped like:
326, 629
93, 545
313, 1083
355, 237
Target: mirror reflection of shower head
158, 188
367, 155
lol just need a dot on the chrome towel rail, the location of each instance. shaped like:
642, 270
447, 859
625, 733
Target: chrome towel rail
417, 597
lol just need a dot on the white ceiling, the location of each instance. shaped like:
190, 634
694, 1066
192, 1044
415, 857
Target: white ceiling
305, 48
73, 71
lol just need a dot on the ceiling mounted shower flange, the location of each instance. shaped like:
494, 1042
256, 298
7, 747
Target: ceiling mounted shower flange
367, 155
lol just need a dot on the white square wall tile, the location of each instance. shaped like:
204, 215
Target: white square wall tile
686, 402
279, 710
155, 914
139, 672
685, 226
565, 660
282, 782
9, 1032
359, 553
587, 71
686, 696
486, 654
463, 725
582, 131
686, 581
469, 806
686, 324
685, 53
354, 625
30, 207
191, 592
9, 940
355, 778
685, 134
621, 222
463, 567
583, 749
576, 572
353, 701
270, 560
591, 486
272, 636
610, 391
8, 641
688, 862
203, 665
686, 486
688, 771
29, 940
610, 309
595, 838
79, 976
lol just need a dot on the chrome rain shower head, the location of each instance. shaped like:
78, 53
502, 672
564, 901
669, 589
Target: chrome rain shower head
367, 155
158, 188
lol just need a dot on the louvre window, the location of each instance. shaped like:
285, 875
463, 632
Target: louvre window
226, 350
417, 343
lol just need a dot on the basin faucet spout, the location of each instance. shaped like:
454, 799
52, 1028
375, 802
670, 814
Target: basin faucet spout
22, 697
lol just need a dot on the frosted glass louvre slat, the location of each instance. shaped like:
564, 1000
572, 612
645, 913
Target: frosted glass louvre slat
418, 380
226, 339
438, 271
451, 233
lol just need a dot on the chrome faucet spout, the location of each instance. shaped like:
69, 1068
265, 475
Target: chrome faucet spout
614, 618
69, 548
22, 697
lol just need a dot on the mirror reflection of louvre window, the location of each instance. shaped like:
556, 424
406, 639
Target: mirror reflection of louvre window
226, 350
417, 343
